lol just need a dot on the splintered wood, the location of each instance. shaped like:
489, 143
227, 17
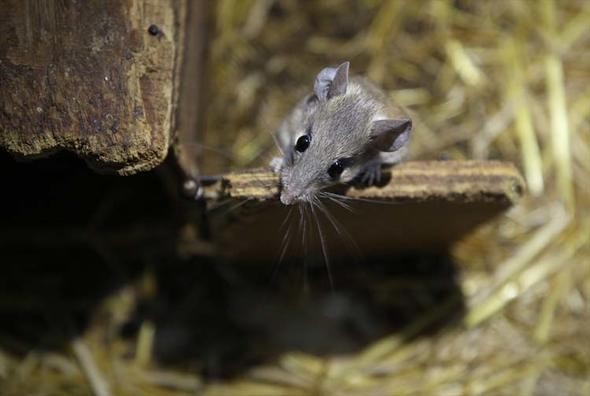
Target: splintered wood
420, 206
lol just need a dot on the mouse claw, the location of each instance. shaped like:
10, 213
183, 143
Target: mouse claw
371, 175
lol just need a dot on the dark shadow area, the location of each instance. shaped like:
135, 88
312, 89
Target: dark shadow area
68, 238
71, 237
228, 317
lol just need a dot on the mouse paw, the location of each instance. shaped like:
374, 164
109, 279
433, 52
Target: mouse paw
371, 175
276, 164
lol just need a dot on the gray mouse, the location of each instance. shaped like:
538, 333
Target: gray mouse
343, 131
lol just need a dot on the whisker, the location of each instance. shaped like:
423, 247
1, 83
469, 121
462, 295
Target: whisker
284, 246
341, 230
201, 147
230, 209
342, 204
323, 244
302, 226
358, 199
275, 140
331, 218
305, 248
301, 220
218, 205
286, 218
337, 201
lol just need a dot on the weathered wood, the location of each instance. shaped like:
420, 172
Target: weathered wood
190, 85
90, 77
423, 206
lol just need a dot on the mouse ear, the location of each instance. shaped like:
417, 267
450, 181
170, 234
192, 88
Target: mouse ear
331, 81
390, 134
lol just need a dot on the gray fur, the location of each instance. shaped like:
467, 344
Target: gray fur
348, 118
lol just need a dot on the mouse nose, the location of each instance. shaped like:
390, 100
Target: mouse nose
291, 195
287, 199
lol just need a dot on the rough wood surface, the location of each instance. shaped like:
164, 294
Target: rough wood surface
417, 181
87, 77
190, 86
422, 206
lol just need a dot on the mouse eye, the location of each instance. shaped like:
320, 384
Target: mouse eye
302, 143
336, 169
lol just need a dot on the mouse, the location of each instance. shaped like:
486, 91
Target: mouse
343, 131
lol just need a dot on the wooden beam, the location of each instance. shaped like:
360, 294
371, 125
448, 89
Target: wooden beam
97, 78
420, 206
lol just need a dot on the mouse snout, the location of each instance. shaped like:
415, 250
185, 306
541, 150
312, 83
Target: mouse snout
290, 196
287, 198
295, 188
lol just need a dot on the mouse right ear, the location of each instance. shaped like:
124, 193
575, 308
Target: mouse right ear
331, 81
390, 134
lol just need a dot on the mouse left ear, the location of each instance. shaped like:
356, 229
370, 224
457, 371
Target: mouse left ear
390, 134
331, 81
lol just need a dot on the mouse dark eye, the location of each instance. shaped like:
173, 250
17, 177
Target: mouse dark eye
336, 169
302, 143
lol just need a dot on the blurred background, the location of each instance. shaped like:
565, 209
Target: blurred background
102, 272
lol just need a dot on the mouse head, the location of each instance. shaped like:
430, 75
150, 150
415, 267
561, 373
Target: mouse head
342, 129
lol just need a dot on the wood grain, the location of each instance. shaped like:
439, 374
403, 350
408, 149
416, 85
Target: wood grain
87, 77
422, 206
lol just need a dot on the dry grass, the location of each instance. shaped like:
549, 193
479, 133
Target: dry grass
501, 79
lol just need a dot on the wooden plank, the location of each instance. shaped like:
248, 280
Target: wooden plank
421, 206
89, 77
